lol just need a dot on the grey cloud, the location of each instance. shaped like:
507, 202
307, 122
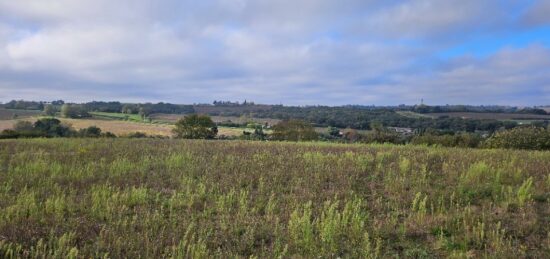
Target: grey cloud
296, 52
439, 20
511, 76
538, 13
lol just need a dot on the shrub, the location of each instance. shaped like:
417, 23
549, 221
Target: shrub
50, 127
534, 138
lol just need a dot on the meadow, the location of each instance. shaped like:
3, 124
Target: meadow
150, 198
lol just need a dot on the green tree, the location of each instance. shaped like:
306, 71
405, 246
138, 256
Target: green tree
73, 111
49, 110
195, 127
294, 130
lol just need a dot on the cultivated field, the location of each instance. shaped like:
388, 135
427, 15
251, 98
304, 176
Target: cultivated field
97, 198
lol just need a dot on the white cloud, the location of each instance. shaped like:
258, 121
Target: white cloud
314, 51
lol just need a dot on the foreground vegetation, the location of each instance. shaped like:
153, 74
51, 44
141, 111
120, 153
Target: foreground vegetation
190, 198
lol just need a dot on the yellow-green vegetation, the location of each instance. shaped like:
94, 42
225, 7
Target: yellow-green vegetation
145, 198
117, 116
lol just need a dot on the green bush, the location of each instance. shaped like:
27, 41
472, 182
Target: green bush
534, 138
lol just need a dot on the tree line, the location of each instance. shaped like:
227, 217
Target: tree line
362, 118
471, 108
80, 110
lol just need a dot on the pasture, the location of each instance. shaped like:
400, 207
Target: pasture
113, 198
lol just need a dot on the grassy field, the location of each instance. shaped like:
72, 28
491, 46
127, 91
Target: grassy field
124, 198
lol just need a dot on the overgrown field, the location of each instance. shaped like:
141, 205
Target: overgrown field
95, 198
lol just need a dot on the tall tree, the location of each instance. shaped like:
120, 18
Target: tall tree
195, 127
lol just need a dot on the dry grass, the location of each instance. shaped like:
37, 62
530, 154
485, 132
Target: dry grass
121, 127
7, 124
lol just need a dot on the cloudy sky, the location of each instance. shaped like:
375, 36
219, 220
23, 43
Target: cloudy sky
277, 51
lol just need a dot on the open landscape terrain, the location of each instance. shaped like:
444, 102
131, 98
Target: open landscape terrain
193, 198
274, 129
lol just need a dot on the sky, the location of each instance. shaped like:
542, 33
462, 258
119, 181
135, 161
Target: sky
293, 52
